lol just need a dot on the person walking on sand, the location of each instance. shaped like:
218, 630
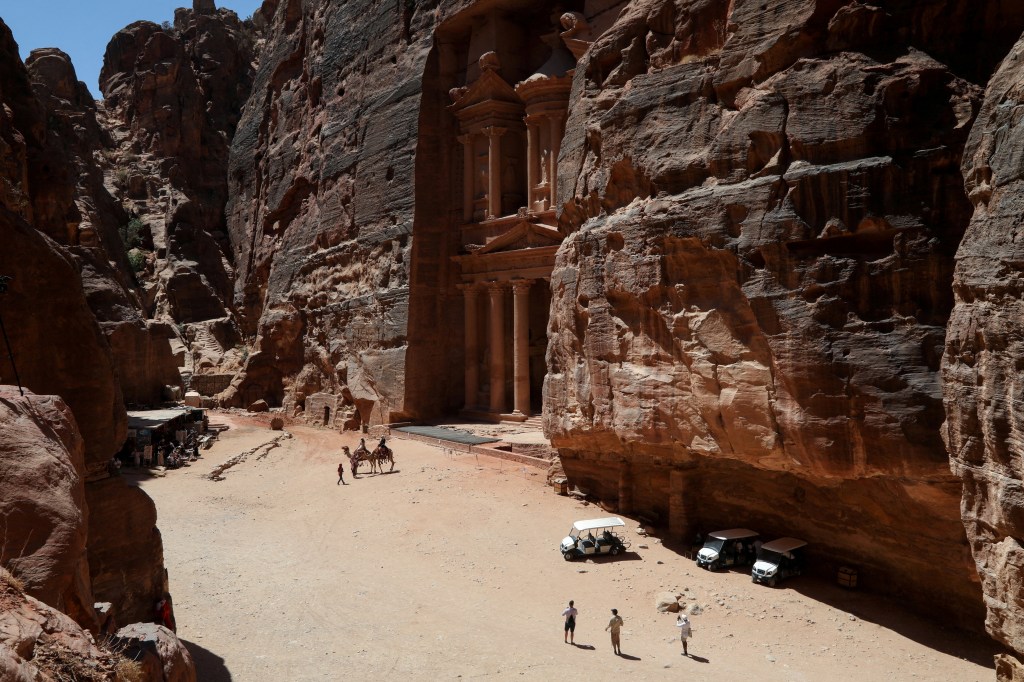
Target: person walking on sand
341, 473
615, 625
685, 631
570, 623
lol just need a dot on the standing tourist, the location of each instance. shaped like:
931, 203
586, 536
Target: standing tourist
341, 473
615, 625
685, 631
570, 623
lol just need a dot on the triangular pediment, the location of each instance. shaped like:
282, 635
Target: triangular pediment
489, 87
523, 235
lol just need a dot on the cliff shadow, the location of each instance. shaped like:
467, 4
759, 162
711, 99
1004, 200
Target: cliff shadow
872, 608
209, 666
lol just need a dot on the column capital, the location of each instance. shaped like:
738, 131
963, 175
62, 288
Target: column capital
466, 139
522, 286
497, 287
468, 288
494, 131
534, 119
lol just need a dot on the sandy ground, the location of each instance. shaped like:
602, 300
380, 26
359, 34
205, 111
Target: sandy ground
448, 568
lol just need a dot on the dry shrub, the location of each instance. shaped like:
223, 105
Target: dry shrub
61, 663
11, 580
129, 671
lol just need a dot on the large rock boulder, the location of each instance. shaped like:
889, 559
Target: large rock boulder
38, 642
982, 362
42, 502
161, 653
126, 557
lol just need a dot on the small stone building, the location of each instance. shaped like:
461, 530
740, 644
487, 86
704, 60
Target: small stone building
322, 409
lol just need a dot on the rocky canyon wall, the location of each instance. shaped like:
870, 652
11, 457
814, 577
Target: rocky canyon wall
982, 366
173, 95
69, 307
321, 205
749, 313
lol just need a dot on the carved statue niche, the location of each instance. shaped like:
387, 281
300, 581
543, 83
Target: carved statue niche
491, 114
512, 185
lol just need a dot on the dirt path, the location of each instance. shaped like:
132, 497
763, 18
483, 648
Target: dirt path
448, 568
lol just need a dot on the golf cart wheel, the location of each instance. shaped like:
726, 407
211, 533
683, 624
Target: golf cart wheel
567, 556
771, 582
614, 551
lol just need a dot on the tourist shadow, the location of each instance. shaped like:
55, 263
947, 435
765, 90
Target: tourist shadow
588, 647
209, 666
630, 658
699, 659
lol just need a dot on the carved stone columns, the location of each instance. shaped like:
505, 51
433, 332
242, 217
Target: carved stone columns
494, 134
497, 343
468, 176
472, 377
521, 340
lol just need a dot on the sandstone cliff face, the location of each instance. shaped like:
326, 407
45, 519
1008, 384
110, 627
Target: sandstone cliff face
981, 365
321, 206
62, 285
42, 502
172, 99
748, 316
75, 141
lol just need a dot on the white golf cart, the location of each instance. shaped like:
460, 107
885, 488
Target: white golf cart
592, 537
777, 560
723, 548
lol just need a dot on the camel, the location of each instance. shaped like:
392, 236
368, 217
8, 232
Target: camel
353, 458
382, 454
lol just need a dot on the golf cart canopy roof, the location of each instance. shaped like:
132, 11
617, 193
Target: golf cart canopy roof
783, 545
591, 524
733, 534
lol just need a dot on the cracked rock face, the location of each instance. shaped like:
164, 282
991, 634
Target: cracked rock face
42, 502
749, 314
321, 207
71, 314
982, 367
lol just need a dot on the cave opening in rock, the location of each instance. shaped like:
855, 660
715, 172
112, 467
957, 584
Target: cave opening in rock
495, 98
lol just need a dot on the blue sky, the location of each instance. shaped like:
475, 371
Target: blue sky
82, 28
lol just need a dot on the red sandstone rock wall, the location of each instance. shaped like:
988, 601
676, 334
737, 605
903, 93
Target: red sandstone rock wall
982, 363
172, 98
43, 516
749, 315
321, 208
65, 294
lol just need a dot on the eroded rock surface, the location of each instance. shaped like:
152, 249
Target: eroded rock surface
172, 98
982, 367
40, 644
321, 206
749, 313
161, 653
43, 517
62, 251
